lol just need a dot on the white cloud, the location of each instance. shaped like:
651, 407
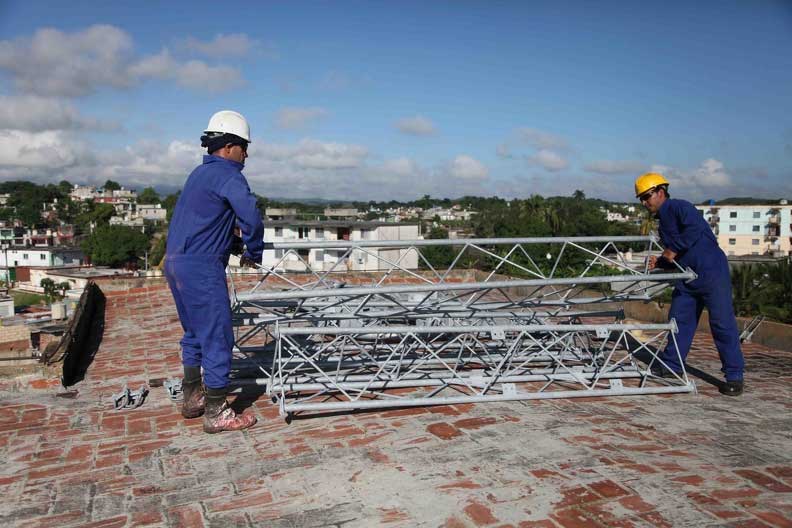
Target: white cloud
417, 126
232, 44
711, 173
468, 169
541, 140
281, 170
550, 160
315, 154
615, 167
403, 167
711, 179
191, 74
54, 63
147, 164
42, 151
36, 114
537, 147
709, 176
297, 117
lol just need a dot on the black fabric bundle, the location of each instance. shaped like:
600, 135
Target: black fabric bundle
215, 142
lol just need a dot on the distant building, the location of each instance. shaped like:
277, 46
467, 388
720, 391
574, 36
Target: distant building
151, 212
37, 236
76, 276
335, 259
454, 213
138, 214
341, 214
280, 213
616, 216
14, 257
81, 193
751, 229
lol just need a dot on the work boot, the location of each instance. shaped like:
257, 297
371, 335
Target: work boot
220, 416
731, 388
193, 399
662, 372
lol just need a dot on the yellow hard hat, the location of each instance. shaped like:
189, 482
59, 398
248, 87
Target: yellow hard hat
648, 181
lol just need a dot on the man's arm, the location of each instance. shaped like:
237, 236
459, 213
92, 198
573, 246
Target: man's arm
242, 201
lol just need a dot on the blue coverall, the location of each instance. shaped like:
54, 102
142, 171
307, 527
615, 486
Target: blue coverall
684, 231
215, 198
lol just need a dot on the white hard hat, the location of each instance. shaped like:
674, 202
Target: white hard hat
229, 122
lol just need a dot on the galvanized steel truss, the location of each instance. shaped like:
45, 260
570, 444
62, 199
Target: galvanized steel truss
415, 337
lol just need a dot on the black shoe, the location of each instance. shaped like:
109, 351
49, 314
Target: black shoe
662, 372
731, 388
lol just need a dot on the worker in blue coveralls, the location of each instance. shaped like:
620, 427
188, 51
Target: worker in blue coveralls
689, 241
215, 199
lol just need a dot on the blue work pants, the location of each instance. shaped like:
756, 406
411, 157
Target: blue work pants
198, 285
686, 306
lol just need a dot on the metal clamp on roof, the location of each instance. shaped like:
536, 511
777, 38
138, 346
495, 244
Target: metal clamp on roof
127, 399
174, 388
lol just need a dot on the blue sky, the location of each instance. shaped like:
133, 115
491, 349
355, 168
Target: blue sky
380, 100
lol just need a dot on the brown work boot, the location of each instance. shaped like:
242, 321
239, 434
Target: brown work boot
193, 399
220, 416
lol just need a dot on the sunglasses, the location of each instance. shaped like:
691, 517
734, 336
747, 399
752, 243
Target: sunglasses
645, 196
243, 146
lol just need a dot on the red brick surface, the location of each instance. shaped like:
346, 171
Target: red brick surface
683, 460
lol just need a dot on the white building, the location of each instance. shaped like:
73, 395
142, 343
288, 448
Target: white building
445, 215
14, 257
128, 221
81, 193
326, 259
751, 229
124, 194
151, 212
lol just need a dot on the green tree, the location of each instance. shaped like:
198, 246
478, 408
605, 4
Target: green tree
110, 185
115, 245
148, 196
65, 187
438, 256
169, 203
54, 291
158, 251
50, 291
763, 289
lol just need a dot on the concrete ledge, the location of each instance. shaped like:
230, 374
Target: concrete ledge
769, 333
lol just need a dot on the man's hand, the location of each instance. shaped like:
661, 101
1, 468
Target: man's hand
246, 262
237, 246
668, 256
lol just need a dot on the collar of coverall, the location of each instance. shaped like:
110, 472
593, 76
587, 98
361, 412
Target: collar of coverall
211, 158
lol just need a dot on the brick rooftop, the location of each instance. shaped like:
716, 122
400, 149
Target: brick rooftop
680, 460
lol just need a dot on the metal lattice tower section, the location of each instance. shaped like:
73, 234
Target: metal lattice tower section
539, 324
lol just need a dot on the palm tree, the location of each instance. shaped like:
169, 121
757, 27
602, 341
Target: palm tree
647, 223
